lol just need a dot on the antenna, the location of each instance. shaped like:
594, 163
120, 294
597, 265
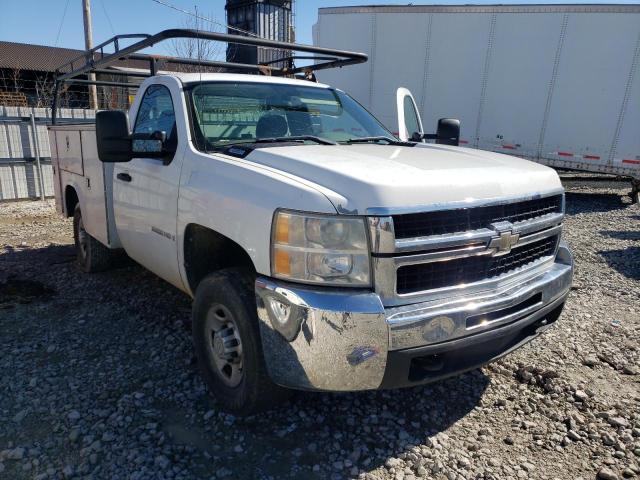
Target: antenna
199, 45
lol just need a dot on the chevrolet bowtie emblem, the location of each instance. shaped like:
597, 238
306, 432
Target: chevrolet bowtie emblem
505, 238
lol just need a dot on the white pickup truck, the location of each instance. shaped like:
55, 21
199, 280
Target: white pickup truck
322, 253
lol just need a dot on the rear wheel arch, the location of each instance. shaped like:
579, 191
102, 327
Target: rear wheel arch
92, 256
70, 200
207, 251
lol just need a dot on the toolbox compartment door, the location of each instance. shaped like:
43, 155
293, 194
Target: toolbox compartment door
69, 151
94, 209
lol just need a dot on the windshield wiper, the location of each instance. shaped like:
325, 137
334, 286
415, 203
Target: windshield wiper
298, 138
389, 140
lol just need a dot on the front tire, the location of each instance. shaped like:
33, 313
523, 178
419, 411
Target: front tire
228, 345
92, 256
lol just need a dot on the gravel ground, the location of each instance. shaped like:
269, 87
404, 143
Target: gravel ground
97, 379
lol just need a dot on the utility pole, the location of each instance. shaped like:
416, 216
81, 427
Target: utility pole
88, 44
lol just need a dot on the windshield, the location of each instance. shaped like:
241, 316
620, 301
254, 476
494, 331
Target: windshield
226, 113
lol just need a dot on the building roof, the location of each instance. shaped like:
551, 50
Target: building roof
40, 58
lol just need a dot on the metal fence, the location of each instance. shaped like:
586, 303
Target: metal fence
21, 145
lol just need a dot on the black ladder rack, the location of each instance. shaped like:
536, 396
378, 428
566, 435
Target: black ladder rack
97, 61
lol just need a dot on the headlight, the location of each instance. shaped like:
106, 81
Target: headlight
320, 249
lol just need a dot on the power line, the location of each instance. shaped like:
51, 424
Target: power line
215, 22
64, 14
106, 14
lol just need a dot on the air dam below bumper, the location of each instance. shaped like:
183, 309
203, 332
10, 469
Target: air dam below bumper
345, 339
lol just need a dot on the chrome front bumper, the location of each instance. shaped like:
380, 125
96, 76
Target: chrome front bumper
344, 340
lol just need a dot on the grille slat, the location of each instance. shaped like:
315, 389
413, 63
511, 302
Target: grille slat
464, 219
433, 275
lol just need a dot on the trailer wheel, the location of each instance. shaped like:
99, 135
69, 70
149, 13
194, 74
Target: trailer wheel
228, 346
92, 256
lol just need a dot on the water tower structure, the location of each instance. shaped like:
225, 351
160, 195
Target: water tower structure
269, 19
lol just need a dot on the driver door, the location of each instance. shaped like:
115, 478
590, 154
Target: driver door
145, 190
409, 121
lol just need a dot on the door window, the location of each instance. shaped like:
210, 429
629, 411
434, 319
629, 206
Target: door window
156, 114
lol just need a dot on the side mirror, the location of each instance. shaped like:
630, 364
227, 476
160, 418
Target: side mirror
448, 132
148, 144
153, 145
112, 136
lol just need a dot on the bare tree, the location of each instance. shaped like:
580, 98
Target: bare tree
44, 88
64, 95
113, 98
4, 80
196, 48
11, 80
12, 92
109, 97
15, 75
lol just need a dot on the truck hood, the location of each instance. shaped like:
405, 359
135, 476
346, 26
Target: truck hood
361, 179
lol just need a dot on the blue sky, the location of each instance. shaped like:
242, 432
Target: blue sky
41, 21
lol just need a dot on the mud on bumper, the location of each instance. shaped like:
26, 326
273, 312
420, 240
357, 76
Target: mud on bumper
345, 340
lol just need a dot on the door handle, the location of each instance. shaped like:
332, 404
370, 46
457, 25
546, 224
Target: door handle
125, 177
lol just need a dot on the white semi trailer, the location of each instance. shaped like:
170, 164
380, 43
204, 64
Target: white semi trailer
559, 84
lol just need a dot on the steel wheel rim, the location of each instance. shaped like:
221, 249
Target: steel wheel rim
224, 347
82, 238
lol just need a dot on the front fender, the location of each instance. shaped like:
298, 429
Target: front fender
237, 199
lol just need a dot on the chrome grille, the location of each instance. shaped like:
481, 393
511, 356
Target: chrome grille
464, 219
447, 273
472, 246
